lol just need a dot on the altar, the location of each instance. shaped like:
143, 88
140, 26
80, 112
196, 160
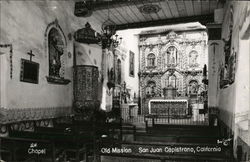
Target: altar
173, 107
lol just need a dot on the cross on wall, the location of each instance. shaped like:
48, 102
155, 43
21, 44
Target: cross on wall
31, 55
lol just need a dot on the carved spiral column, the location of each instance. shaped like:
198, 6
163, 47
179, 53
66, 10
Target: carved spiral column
143, 60
159, 87
159, 61
185, 84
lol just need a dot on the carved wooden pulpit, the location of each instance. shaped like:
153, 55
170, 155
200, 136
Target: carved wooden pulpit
85, 87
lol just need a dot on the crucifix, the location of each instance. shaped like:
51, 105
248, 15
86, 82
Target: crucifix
31, 55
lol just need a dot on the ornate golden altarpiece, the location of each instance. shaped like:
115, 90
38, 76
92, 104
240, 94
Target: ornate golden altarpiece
171, 60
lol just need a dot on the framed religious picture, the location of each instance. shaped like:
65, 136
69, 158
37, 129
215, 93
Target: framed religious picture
29, 71
131, 64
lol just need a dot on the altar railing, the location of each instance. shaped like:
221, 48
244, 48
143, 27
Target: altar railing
129, 114
175, 116
172, 116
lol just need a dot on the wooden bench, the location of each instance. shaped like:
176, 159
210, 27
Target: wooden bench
72, 142
76, 125
115, 128
129, 129
21, 149
98, 129
80, 144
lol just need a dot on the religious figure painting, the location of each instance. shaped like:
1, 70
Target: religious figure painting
119, 71
131, 64
29, 71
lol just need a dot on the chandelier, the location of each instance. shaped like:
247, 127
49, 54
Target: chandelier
108, 37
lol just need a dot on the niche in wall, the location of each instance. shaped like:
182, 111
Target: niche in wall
56, 44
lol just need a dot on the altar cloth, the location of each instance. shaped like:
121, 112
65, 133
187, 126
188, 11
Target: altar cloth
166, 100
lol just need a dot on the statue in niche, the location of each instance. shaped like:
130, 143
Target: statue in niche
151, 60
56, 47
193, 59
171, 56
193, 87
172, 81
150, 89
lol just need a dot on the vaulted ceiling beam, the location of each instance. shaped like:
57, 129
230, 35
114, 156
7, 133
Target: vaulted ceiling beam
100, 5
203, 19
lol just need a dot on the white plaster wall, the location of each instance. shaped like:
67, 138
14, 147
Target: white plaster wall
130, 43
213, 71
226, 102
88, 54
23, 24
108, 60
3, 74
234, 100
242, 78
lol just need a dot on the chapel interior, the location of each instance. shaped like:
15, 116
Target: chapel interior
124, 81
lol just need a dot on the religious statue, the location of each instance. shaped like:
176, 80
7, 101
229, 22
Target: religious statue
171, 56
55, 52
150, 89
193, 87
172, 81
56, 65
193, 58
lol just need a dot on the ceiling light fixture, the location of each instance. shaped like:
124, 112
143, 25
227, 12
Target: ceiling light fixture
108, 37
